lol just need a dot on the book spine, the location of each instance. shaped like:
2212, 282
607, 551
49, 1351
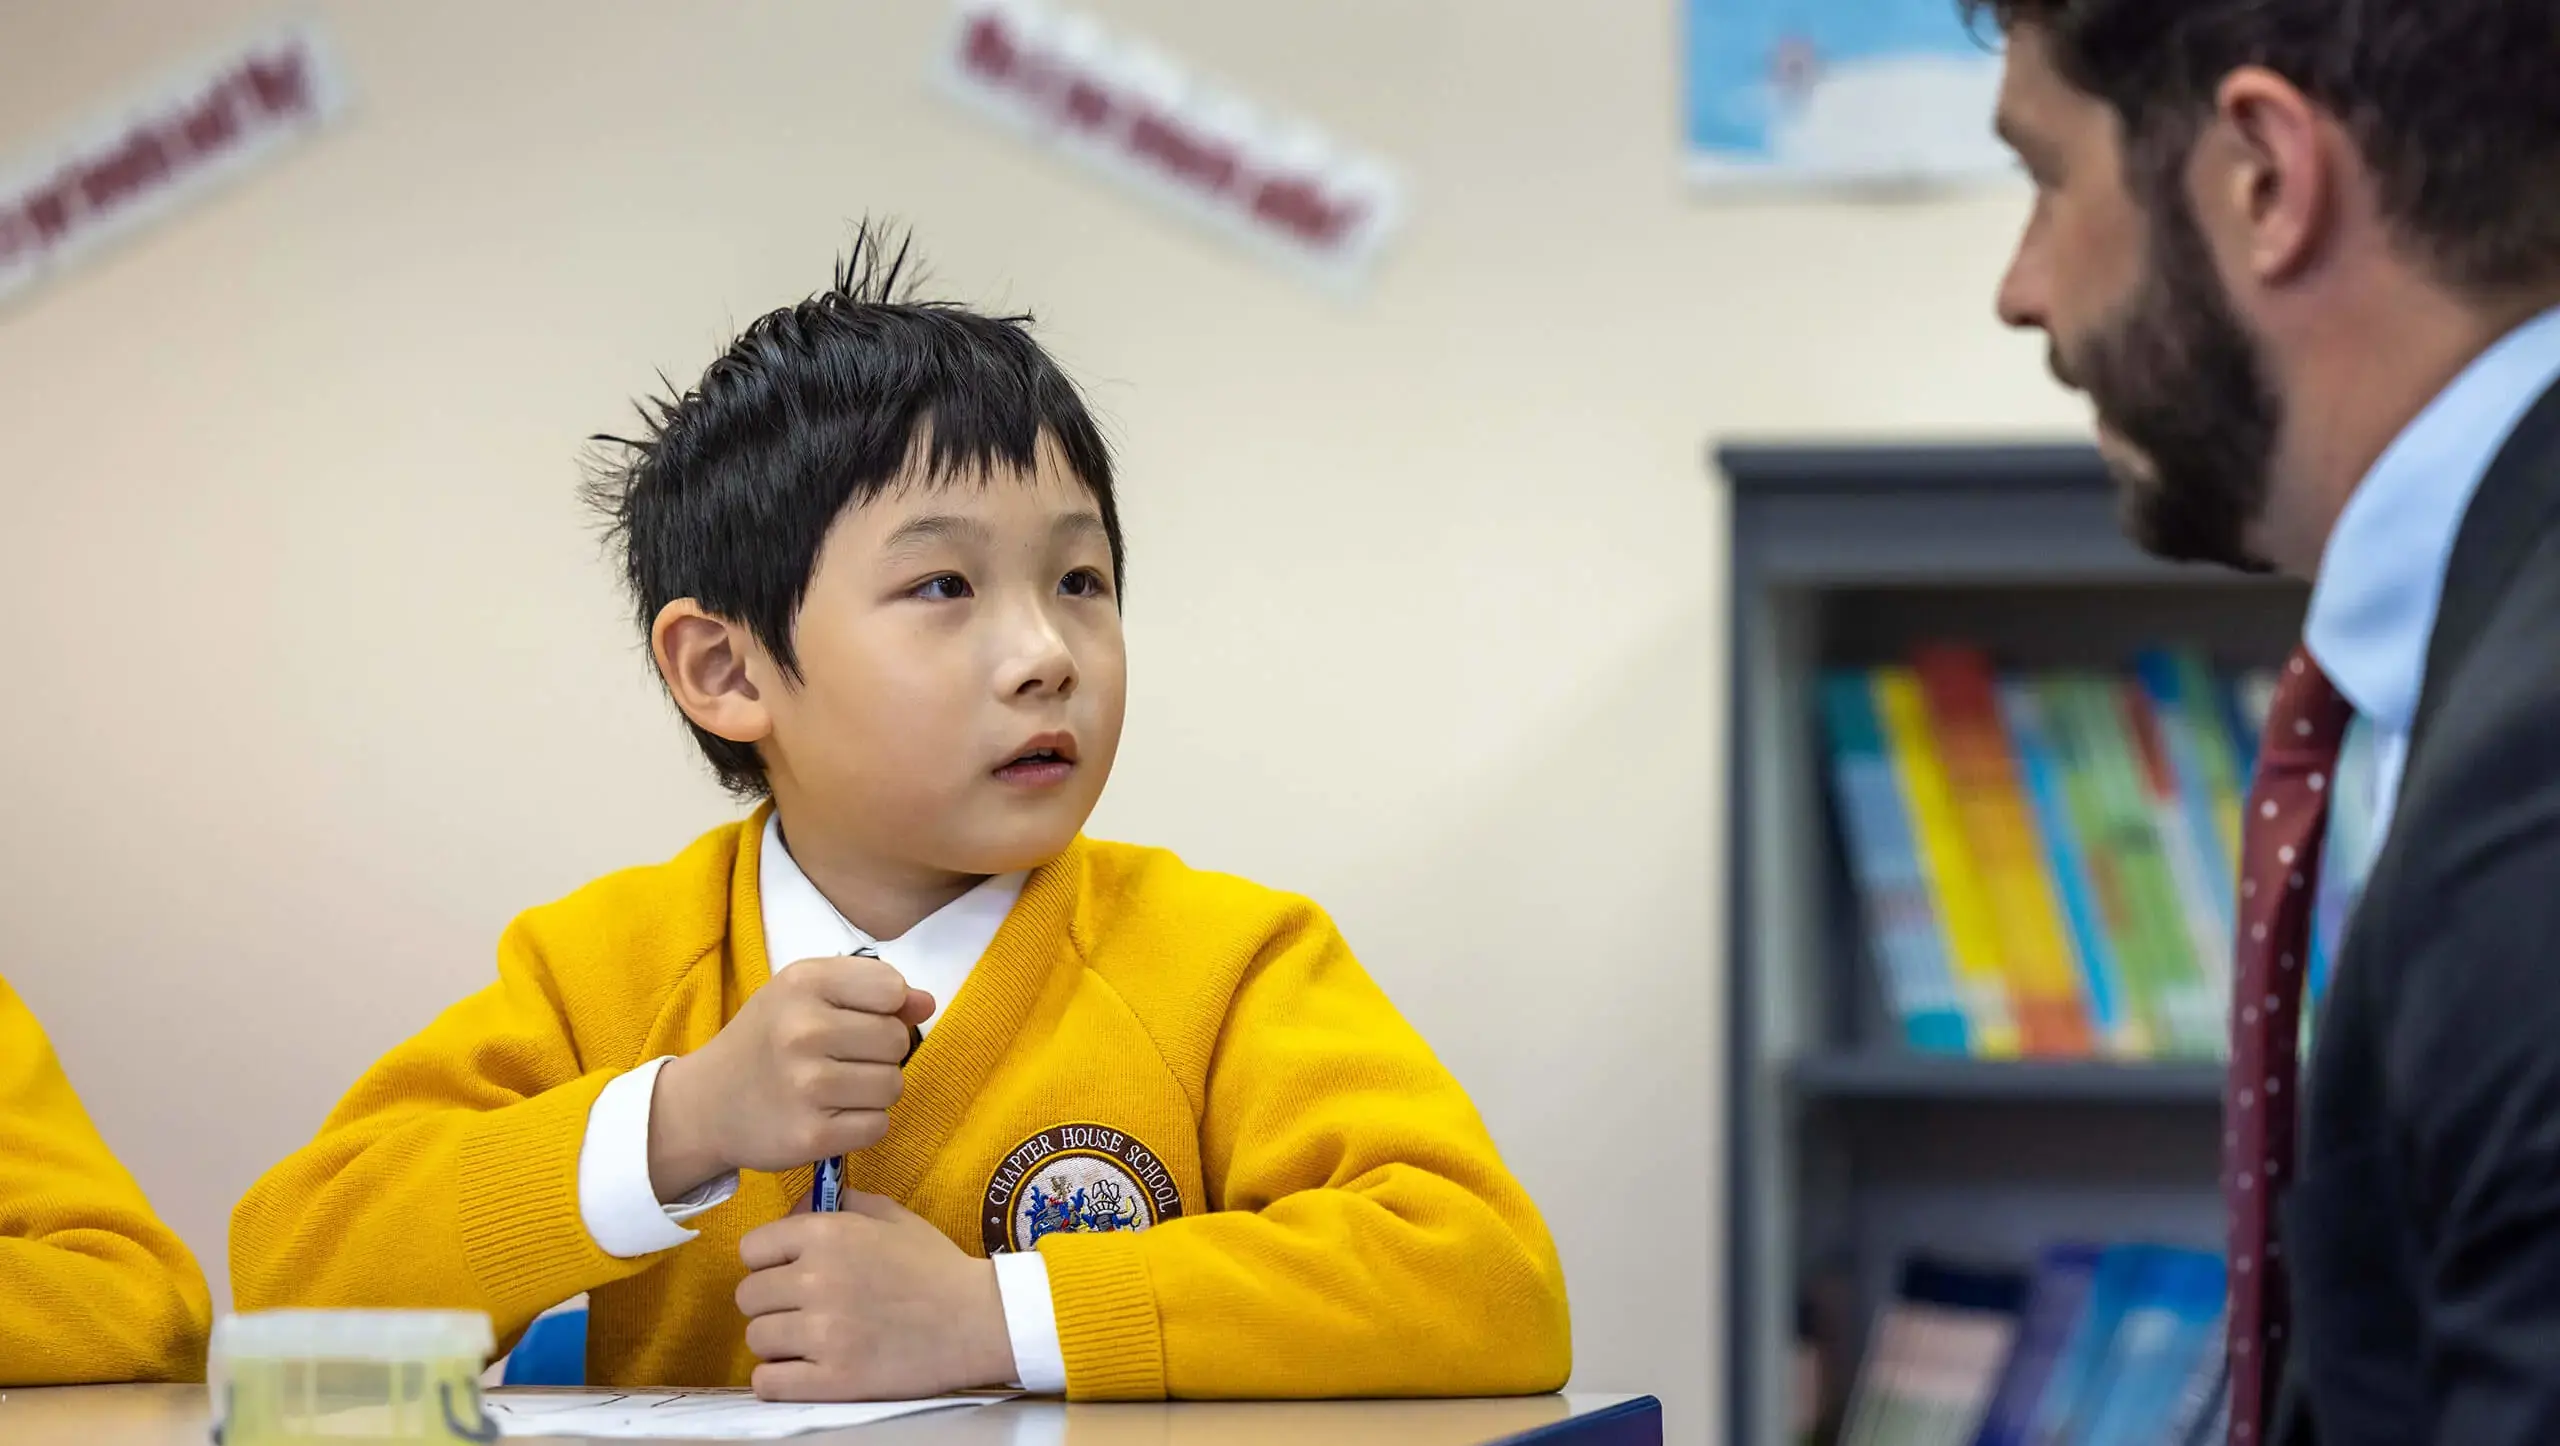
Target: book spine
2183, 747
2175, 981
2200, 1419
2068, 865
2055, 1301
2119, 904
2209, 721
1901, 919
1971, 939
2252, 697
2156, 1351
2077, 1386
1992, 808
2200, 912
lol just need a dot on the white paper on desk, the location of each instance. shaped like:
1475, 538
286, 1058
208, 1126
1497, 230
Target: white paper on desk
700, 1415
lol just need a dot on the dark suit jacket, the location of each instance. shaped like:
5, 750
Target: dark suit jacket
2423, 1228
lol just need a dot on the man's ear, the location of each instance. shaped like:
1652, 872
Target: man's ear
2275, 160
704, 661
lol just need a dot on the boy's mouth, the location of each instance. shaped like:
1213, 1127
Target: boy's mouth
1044, 761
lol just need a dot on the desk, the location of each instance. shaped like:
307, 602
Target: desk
181, 1416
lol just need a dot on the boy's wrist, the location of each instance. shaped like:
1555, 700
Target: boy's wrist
681, 1157
990, 1341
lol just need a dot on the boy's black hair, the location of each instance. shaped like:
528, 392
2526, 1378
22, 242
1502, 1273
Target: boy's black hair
732, 487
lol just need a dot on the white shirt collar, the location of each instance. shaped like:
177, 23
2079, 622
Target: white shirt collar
2372, 614
936, 955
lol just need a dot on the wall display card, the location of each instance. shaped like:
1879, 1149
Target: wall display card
138, 162
1840, 94
1126, 110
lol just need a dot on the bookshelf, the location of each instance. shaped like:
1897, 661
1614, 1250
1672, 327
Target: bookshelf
1845, 1151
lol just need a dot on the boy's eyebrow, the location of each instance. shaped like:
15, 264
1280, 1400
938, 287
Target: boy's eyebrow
937, 527
1070, 524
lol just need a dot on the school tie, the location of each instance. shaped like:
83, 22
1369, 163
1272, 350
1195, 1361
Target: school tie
2279, 860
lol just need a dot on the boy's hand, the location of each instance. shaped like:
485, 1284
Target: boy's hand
869, 1304
806, 1071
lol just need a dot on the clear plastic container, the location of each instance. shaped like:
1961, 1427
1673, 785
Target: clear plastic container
362, 1377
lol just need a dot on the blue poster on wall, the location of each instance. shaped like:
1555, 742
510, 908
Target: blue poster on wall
1840, 93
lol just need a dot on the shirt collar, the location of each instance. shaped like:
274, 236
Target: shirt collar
936, 955
2373, 608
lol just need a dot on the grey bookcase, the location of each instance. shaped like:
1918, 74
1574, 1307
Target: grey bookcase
1845, 1153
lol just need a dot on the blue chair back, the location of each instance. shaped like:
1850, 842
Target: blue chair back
552, 1353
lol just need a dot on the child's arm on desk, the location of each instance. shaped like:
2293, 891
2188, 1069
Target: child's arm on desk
92, 1286
1364, 1238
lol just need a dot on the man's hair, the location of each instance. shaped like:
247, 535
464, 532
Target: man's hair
2455, 104
730, 491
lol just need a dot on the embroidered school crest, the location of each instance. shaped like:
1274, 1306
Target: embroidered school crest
1072, 1179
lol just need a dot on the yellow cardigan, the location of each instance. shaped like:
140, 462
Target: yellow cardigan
1246, 1173
92, 1286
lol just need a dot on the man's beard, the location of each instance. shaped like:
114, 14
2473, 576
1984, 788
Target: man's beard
2178, 379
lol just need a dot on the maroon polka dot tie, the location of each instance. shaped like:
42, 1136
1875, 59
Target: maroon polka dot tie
2279, 862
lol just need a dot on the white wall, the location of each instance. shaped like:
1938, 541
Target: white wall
318, 676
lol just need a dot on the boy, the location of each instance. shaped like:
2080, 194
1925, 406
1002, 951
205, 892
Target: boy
92, 1286
1109, 1126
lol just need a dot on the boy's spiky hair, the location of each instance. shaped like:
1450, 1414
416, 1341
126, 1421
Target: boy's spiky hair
731, 488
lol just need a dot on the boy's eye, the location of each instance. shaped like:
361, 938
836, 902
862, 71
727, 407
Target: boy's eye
949, 587
1083, 582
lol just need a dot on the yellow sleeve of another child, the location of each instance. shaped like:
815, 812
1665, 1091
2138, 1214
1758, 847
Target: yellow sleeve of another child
92, 1286
1363, 1236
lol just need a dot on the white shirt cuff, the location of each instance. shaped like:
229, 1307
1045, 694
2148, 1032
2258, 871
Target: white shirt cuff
1031, 1319
615, 1199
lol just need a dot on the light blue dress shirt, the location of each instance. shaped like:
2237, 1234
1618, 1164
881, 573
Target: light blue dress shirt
2373, 609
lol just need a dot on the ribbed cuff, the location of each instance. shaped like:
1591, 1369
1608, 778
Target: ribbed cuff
522, 1234
1108, 1329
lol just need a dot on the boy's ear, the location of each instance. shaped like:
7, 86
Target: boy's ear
704, 660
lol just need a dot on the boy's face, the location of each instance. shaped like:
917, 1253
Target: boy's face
962, 675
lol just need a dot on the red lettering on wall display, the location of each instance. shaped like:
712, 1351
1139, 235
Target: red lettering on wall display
1088, 105
150, 155
989, 50
49, 211
1128, 112
1212, 166
210, 126
139, 163
1299, 206
279, 84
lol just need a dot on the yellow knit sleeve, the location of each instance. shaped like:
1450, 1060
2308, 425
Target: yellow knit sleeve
1362, 1239
447, 1178
92, 1286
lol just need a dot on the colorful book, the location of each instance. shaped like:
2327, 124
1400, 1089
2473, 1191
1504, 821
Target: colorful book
1900, 916
2252, 696
2209, 723
2071, 1391
2188, 1019
2204, 1408
2172, 1324
1998, 824
2195, 749
1934, 1357
2073, 873
2123, 910
2056, 1298
2204, 900
1966, 926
